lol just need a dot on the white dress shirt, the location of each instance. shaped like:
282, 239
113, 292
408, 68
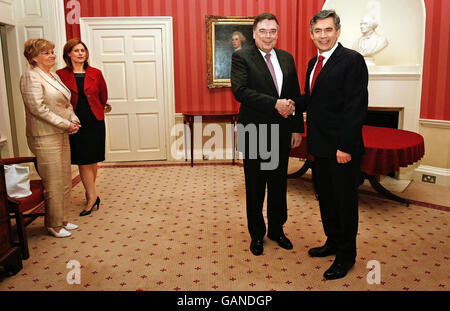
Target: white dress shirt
276, 68
326, 56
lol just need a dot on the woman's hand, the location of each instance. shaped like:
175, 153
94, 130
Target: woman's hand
73, 128
107, 108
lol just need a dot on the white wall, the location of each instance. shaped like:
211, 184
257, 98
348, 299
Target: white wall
400, 21
6, 16
30, 19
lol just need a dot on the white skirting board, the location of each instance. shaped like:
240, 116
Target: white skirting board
442, 174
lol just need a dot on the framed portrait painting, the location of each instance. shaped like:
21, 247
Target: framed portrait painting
225, 35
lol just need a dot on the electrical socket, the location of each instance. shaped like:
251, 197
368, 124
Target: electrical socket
429, 178
205, 157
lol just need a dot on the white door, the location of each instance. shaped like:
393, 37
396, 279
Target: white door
132, 63
5, 129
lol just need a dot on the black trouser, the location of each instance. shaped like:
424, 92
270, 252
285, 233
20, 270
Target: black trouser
337, 189
256, 181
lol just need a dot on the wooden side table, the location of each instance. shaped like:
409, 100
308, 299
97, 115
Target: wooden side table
10, 255
220, 116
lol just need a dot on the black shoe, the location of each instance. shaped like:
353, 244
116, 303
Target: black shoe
97, 202
282, 241
322, 251
338, 270
256, 247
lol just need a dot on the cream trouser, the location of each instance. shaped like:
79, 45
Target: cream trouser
53, 162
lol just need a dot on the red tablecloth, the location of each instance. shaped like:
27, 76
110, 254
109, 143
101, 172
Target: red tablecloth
386, 149
389, 149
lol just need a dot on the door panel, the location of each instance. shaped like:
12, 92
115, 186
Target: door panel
119, 125
131, 60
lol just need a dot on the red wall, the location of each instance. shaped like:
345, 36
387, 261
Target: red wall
436, 67
191, 92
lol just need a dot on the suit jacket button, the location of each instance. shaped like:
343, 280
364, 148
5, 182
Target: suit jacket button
89, 96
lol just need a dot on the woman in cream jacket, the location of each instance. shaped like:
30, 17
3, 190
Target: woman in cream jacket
49, 120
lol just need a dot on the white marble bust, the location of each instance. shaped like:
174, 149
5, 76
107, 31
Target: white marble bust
370, 43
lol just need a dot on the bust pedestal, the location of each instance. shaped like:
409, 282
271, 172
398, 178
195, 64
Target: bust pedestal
369, 61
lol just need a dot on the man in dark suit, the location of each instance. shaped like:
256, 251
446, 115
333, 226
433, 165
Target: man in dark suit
263, 80
337, 99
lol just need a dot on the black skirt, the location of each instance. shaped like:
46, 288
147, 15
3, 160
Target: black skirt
87, 146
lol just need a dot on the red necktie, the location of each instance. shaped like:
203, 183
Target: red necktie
272, 71
317, 70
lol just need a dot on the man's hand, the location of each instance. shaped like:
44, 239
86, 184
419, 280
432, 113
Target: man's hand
296, 140
343, 157
285, 107
292, 103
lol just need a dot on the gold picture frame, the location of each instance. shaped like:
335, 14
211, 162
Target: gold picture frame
219, 31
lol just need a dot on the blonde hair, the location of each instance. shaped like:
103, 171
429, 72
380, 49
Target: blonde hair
240, 36
33, 47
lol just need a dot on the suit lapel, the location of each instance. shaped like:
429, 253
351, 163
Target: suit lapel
262, 66
89, 78
56, 83
284, 70
328, 65
72, 84
308, 74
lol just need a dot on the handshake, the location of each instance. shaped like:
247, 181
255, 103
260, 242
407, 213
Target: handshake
285, 107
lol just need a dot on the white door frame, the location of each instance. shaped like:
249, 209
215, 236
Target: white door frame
89, 24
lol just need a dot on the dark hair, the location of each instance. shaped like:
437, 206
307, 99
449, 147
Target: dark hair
262, 17
68, 47
323, 15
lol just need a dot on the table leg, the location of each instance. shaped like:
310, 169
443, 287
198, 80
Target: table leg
302, 170
383, 191
12, 261
307, 165
185, 141
191, 127
232, 139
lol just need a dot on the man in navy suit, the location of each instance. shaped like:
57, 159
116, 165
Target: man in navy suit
263, 80
337, 99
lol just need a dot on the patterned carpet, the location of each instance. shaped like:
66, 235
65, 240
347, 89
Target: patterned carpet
177, 228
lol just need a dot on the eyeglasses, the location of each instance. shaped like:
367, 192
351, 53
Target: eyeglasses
271, 32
